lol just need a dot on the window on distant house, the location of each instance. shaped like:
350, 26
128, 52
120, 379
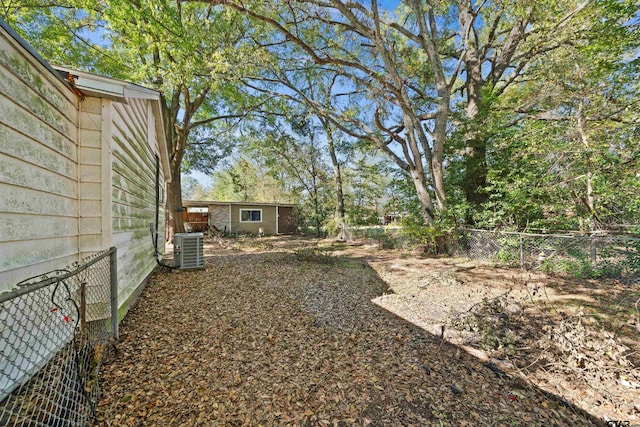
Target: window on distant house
250, 215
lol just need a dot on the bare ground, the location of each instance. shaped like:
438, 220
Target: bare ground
297, 332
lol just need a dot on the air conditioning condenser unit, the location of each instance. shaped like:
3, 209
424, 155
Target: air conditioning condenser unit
187, 250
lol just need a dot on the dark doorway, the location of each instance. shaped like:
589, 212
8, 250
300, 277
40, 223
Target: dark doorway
287, 223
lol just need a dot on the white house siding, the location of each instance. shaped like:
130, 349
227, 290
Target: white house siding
38, 167
90, 176
133, 193
76, 176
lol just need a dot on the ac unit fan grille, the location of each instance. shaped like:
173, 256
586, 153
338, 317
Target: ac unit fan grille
190, 253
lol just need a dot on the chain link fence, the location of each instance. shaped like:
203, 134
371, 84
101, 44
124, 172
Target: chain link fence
584, 256
55, 330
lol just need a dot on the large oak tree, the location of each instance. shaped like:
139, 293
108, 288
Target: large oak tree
408, 77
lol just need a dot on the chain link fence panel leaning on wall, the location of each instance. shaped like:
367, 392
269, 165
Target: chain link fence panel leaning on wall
582, 256
55, 330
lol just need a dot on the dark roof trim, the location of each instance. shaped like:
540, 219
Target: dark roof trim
26, 46
204, 203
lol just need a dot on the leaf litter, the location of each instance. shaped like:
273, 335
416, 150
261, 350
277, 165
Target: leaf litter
266, 336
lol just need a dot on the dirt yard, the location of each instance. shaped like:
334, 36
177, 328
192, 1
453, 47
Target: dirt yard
281, 331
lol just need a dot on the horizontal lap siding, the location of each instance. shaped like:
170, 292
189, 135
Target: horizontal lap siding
38, 168
268, 222
133, 195
90, 177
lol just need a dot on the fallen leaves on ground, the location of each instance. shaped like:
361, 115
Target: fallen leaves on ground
265, 339
575, 338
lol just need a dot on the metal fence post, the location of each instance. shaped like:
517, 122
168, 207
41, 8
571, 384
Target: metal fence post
521, 251
83, 306
113, 267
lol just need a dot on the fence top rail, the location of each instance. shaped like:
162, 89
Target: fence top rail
565, 236
38, 282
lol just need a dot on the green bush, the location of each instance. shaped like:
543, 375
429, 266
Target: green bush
331, 227
580, 266
577, 265
509, 252
631, 263
434, 239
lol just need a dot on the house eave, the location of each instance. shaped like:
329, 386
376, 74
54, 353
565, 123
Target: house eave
204, 203
107, 87
119, 90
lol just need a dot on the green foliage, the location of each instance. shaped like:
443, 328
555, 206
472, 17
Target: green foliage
433, 238
632, 261
330, 227
509, 252
208, 147
418, 234
571, 121
290, 151
189, 185
567, 123
366, 189
578, 263
402, 198
245, 178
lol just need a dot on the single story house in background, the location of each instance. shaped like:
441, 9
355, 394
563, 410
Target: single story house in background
241, 217
81, 159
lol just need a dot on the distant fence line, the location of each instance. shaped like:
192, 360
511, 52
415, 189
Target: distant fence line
579, 255
54, 331
586, 256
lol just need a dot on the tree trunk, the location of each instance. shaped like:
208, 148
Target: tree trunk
174, 206
176, 141
339, 215
590, 200
426, 203
475, 173
475, 145
428, 37
316, 208
500, 55
416, 169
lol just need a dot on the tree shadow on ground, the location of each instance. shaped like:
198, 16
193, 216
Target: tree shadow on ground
281, 338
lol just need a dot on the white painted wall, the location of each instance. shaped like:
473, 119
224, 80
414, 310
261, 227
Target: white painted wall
133, 193
76, 176
39, 209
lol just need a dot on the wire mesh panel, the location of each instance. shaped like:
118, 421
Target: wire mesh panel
578, 255
54, 330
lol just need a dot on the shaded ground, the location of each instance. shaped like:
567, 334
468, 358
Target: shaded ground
268, 336
577, 339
